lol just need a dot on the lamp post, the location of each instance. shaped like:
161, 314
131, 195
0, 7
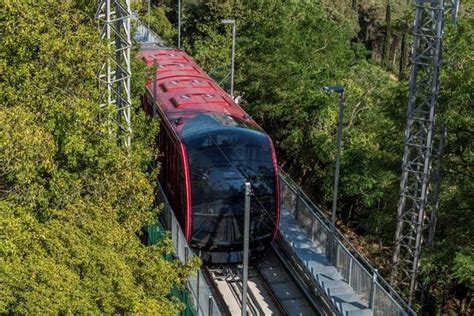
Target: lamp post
232, 69
179, 23
340, 91
246, 248
148, 20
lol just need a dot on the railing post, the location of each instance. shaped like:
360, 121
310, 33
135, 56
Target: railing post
210, 305
330, 245
298, 197
186, 253
197, 290
372, 290
246, 248
350, 272
176, 229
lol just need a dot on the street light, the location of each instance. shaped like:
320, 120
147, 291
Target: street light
179, 23
246, 248
232, 69
148, 20
340, 91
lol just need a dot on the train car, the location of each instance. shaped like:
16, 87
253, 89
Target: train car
209, 147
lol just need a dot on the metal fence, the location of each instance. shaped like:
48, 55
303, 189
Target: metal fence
143, 34
199, 290
380, 297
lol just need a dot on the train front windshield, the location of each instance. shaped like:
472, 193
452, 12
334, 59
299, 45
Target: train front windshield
220, 163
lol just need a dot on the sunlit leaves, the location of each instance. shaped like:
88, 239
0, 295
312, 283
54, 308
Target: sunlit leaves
72, 203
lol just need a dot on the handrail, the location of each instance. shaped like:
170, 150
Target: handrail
202, 298
346, 245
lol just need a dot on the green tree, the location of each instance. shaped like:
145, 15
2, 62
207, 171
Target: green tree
72, 203
207, 39
288, 50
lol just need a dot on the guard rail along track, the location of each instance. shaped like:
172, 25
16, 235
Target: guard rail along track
272, 288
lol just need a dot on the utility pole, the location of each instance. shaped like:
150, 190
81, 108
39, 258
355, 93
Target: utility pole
114, 76
417, 157
149, 18
246, 248
340, 91
179, 23
232, 58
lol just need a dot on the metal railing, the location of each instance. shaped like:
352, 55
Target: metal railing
143, 34
366, 282
199, 290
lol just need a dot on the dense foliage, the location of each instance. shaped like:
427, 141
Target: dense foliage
72, 203
288, 50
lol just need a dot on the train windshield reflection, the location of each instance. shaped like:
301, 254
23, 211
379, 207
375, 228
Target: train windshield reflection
220, 162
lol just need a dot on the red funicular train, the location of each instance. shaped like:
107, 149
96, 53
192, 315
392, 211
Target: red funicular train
209, 147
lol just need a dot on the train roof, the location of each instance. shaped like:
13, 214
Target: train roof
184, 91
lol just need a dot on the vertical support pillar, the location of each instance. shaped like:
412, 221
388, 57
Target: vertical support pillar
232, 61
372, 290
232, 69
211, 305
176, 229
148, 21
350, 272
198, 286
179, 23
246, 248
115, 73
417, 155
298, 203
186, 253
332, 241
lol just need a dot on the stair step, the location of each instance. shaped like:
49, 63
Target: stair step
341, 290
327, 280
360, 312
348, 307
329, 272
347, 298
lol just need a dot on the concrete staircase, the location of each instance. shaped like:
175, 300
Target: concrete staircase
342, 296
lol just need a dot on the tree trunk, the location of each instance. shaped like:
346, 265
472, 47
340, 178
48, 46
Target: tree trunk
388, 36
404, 47
403, 57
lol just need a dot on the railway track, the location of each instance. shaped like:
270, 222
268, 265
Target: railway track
271, 289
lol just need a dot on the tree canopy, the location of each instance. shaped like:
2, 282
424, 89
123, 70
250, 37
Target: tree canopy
288, 50
72, 203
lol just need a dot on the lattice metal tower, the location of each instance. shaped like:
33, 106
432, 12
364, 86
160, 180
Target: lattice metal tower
114, 76
412, 213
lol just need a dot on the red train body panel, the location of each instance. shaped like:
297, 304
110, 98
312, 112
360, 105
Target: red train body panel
209, 145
